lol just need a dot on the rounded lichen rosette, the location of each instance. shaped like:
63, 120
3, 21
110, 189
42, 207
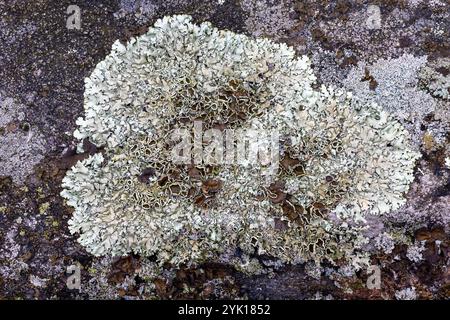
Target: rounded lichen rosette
337, 159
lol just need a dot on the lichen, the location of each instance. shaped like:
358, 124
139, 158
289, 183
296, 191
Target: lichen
385, 243
414, 252
406, 294
268, 18
435, 77
397, 90
141, 10
22, 145
340, 158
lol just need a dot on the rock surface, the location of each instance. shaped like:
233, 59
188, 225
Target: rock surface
43, 64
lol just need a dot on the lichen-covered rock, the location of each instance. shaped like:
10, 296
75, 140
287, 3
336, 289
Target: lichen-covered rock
435, 77
393, 83
22, 146
339, 159
406, 294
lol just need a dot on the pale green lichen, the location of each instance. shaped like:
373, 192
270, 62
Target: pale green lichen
435, 77
340, 159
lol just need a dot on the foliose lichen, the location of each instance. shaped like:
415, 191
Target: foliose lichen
340, 159
435, 77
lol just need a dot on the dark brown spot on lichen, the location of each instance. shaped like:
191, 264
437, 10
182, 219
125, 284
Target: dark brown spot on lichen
373, 84
146, 174
211, 186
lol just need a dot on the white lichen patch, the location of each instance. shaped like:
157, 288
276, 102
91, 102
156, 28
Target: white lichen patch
11, 265
394, 84
406, 294
9, 110
338, 157
414, 252
21, 146
270, 18
435, 77
20, 152
37, 281
140, 10
385, 243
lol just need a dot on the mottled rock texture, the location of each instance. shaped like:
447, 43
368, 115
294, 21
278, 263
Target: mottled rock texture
367, 50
